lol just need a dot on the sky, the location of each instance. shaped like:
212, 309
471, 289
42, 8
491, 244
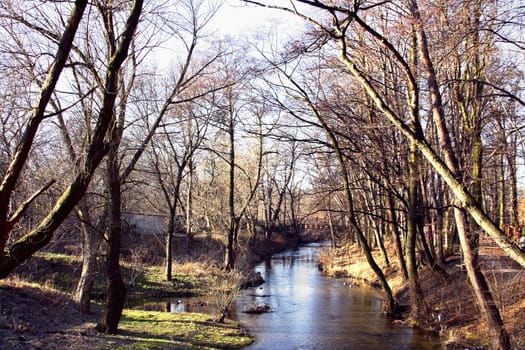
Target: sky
241, 22
236, 18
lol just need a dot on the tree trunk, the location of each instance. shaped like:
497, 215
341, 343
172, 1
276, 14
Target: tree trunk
437, 227
417, 301
390, 305
91, 239
12, 173
25, 247
513, 182
428, 255
498, 335
168, 251
116, 290
229, 257
331, 227
502, 197
376, 227
189, 209
439, 222
477, 160
397, 235
459, 191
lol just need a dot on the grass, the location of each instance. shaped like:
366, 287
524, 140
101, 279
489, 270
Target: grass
164, 330
48, 275
34, 309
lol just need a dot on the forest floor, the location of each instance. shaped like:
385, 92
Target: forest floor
37, 312
455, 315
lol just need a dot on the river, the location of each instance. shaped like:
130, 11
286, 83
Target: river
311, 311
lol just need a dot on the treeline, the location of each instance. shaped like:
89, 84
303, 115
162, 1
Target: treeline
399, 119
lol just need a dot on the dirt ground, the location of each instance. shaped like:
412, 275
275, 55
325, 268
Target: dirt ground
33, 318
455, 315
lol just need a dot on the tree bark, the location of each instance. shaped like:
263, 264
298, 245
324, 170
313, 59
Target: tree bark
116, 290
168, 251
397, 235
460, 192
229, 256
418, 308
390, 305
502, 196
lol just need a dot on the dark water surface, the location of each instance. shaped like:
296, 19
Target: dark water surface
310, 311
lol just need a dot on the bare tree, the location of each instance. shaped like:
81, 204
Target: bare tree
172, 160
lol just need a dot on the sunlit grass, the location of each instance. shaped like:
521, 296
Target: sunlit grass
164, 330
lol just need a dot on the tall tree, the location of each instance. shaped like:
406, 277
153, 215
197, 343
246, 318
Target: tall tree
172, 160
499, 337
117, 53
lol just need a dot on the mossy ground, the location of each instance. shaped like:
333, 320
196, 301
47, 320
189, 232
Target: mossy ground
38, 318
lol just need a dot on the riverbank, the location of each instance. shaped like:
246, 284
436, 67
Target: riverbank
37, 318
36, 310
455, 316
42, 316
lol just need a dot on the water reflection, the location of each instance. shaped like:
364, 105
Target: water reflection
184, 304
310, 311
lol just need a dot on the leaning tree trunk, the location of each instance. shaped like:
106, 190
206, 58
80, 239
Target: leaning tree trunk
27, 245
498, 335
391, 305
392, 217
463, 197
369, 202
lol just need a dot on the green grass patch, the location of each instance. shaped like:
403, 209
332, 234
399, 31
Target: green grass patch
165, 330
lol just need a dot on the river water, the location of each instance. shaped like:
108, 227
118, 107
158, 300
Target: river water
311, 311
